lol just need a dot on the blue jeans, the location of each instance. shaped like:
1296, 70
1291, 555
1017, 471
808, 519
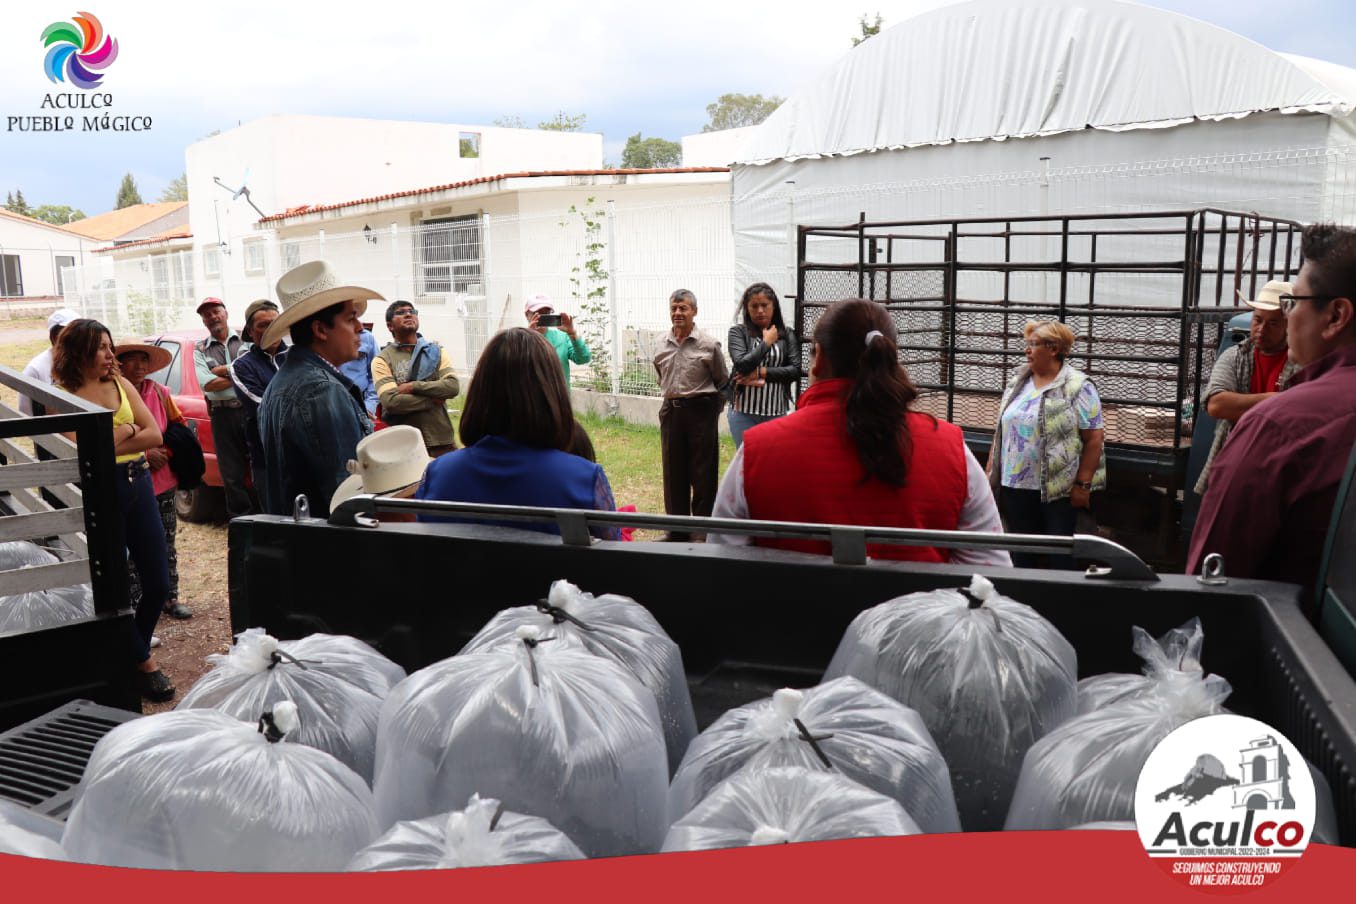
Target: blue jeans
144, 534
739, 422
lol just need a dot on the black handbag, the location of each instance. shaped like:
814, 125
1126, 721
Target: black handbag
185, 460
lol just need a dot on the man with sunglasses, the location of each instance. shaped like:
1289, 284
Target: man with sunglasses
414, 380
1274, 483
1250, 372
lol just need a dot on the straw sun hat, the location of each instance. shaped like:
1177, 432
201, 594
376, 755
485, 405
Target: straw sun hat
309, 289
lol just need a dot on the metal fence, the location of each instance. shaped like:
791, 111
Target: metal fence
611, 267
1145, 294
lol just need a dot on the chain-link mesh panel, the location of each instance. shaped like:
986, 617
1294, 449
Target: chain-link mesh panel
1128, 287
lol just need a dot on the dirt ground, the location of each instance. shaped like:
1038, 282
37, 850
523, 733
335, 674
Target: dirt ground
185, 645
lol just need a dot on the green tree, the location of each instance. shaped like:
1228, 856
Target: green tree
564, 122
57, 214
510, 122
650, 153
869, 29
177, 190
732, 111
127, 193
15, 203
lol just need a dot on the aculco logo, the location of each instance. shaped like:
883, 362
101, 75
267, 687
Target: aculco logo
1218, 834
1225, 801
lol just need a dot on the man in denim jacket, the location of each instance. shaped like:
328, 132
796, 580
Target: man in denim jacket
312, 416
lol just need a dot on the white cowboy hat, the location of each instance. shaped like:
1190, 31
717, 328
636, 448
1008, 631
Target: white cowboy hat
1269, 299
388, 460
309, 289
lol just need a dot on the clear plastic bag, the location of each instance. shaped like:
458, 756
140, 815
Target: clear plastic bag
1179, 650
29, 834
551, 731
1086, 769
988, 675
199, 790
484, 834
787, 804
870, 738
337, 683
39, 609
620, 629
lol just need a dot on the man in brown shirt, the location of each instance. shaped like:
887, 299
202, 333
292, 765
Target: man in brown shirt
691, 370
1274, 483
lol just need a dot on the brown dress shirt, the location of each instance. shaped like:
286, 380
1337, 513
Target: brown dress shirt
695, 366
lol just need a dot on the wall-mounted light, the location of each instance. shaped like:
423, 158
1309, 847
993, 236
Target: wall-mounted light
369, 235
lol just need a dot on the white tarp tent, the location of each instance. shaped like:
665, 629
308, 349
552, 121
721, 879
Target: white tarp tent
997, 108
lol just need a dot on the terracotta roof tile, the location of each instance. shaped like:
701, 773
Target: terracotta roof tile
108, 226
178, 232
320, 208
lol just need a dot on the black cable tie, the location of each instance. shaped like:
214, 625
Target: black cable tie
559, 615
279, 656
269, 729
813, 740
494, 820
531, 643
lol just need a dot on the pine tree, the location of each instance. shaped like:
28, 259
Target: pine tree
127, 193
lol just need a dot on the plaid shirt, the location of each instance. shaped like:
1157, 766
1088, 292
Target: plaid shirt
1233, 373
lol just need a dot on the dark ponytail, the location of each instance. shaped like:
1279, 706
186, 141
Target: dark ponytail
858, 340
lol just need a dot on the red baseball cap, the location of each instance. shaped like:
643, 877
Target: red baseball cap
208, 302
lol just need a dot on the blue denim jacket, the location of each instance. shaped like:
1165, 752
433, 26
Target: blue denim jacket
310, 421
359, 370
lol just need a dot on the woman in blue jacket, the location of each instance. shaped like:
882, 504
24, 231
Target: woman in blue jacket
517, 429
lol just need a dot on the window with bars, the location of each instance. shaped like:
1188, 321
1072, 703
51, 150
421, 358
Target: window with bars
291, 255
254, 257
64, 262
183, 275
449, 256
11, 276
160, 284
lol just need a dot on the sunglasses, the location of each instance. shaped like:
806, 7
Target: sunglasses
402, 312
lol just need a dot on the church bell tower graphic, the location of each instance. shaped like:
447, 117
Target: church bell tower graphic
1266, 777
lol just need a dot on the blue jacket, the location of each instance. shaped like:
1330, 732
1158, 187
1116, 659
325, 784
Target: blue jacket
310, 421
250, 375
499, 471
359, 370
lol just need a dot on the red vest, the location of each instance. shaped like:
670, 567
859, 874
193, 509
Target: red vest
804, 467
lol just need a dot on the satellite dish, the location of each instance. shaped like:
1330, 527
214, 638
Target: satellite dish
242, 192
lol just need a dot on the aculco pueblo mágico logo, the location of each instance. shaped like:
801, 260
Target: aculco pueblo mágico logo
78, 51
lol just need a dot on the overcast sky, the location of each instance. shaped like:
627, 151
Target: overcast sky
629, 66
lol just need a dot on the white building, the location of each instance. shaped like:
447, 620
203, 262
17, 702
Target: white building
36, 256
996, 108
464, 221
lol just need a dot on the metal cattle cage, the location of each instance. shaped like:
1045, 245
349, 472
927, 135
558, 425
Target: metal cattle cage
1146, 294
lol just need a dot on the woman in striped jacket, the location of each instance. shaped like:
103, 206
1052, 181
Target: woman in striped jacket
766, 360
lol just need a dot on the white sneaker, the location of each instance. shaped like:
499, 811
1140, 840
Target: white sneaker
155, 641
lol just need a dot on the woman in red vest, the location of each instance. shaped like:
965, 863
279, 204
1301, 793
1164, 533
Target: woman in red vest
853, 452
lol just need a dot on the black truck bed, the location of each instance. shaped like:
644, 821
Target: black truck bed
750, 620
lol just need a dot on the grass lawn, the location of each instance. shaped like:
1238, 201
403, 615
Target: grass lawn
16, 357
629, 453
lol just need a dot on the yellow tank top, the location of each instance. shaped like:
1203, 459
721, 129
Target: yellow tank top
124, 416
